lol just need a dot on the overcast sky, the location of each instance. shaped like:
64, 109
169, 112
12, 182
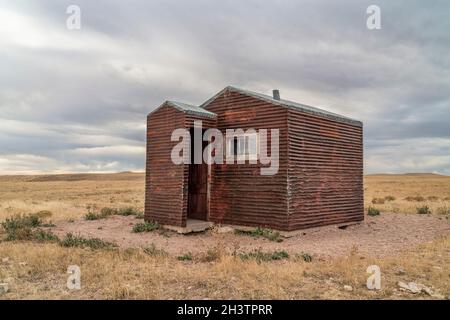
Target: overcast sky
77, 100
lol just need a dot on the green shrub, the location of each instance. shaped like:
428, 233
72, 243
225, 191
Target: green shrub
145, 226
31, 220
423, 210
185, 257
261, 232
91, 216
44, 236
260, 256
20, 227
129, 211
78, 241
371, 211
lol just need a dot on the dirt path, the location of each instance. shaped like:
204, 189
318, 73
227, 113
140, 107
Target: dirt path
383, 235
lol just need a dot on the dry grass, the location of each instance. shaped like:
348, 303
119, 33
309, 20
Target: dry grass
39, 270
68, 196
411, 191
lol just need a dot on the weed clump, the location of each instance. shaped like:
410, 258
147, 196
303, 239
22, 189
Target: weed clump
371, 211
71, 240
106, 212
423, 210
261, 256
22, 227
146, 226
186, 257
128, 211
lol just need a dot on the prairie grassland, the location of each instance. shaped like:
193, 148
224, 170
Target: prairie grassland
405, 193
68, 196
39, 270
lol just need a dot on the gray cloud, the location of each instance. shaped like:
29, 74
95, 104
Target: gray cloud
77, 100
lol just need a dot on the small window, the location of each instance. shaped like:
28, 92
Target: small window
244, 146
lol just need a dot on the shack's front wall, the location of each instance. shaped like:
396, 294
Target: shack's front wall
164, 192
240, 195
325, 171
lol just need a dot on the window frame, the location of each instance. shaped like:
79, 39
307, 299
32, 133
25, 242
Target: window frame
246, 137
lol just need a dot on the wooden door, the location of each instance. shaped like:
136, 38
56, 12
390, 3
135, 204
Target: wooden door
198, 189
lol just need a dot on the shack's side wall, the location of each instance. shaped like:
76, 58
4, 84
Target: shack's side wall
164, 190
325, 174
239, 193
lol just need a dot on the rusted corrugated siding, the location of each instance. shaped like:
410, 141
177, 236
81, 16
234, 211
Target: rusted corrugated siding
239, 193
166, 192
319, 181
164, 195
325, 171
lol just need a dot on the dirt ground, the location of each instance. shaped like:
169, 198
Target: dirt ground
382, 235
407, 246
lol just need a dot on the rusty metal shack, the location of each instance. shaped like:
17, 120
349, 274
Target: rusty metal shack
320, 172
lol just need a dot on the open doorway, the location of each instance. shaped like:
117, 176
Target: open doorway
197, 186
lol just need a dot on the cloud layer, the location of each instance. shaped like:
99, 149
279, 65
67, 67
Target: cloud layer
76, 100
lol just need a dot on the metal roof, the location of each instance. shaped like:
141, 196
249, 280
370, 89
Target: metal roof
286, 103
188, 108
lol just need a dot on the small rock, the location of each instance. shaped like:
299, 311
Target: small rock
427, 290
22, 264
348, 288
3, 288
5, 260
417, 288
411, 287
400, 272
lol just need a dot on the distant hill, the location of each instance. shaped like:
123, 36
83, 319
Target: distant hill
76, 177
418, 174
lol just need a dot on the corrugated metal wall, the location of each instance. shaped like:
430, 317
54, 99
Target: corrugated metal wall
325, 171
164, 199
239, 193
166, 192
